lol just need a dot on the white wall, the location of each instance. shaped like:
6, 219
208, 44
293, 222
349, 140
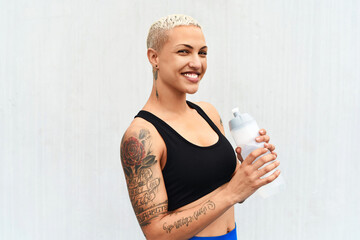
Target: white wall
74, 73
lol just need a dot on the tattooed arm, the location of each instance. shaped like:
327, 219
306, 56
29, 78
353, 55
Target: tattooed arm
141, 151
140, 161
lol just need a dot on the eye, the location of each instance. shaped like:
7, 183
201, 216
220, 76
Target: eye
184, 51
203, 53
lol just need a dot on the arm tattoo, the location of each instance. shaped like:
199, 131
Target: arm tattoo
221, 123
185, 221
142, 185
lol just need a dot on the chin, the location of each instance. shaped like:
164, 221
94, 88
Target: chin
192, 90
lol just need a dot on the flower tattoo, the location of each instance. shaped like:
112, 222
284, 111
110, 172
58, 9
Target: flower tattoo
132, 152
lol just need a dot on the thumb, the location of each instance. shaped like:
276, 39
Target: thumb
238, 151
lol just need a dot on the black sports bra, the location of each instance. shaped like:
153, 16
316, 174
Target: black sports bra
192, 171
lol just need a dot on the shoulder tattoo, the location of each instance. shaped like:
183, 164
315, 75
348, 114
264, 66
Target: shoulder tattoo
137, 160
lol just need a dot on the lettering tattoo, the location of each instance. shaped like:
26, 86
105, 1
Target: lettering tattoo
142, 185
185, 221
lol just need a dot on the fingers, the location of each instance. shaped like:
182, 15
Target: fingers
254, 154
263, 160
269, 146
274, 153
263, 138
263, 171
269, 179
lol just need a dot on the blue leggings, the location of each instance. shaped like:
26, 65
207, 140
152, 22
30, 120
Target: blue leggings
229, 236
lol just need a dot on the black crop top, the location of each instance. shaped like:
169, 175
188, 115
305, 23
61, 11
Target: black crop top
192, 171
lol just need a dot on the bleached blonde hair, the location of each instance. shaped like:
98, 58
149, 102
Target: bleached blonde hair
157, 35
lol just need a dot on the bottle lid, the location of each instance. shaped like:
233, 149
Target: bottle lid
239, 120
236, 112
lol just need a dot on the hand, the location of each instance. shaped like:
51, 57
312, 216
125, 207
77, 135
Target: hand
262, 138
247, 176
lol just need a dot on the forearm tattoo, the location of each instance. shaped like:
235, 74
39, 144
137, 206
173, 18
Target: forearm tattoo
137, 161
185, 221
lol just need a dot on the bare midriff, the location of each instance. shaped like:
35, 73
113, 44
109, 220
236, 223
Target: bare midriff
222, 225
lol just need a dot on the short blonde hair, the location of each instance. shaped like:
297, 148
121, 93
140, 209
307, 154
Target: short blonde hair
157, 33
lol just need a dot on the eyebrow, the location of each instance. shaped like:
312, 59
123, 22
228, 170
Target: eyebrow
189, 46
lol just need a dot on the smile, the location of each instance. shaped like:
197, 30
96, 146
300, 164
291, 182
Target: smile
193, 77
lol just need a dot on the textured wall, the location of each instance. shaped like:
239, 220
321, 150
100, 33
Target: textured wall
74, 73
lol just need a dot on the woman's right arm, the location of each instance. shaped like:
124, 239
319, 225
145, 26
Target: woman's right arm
140, 154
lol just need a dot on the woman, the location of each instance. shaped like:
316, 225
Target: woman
181, 172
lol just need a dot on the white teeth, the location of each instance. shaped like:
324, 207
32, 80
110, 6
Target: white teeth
192, 75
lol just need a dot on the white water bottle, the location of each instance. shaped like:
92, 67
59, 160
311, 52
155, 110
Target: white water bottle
244, 130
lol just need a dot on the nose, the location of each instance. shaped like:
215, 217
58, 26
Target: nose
195, 62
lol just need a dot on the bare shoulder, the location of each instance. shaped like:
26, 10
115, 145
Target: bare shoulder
208, 108
213, 114
145, 133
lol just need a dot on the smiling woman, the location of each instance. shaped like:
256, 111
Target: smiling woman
182, 56
181, 172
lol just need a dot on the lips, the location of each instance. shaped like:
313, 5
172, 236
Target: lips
192, 76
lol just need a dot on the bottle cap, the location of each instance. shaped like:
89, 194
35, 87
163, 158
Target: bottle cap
239, 120
236, 112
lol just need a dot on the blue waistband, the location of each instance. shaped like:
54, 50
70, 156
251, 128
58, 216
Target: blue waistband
229, 236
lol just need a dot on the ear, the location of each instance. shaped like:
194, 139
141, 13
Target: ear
153, 57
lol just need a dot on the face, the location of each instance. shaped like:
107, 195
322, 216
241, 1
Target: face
182, 59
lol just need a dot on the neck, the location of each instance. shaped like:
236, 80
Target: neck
167, 100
